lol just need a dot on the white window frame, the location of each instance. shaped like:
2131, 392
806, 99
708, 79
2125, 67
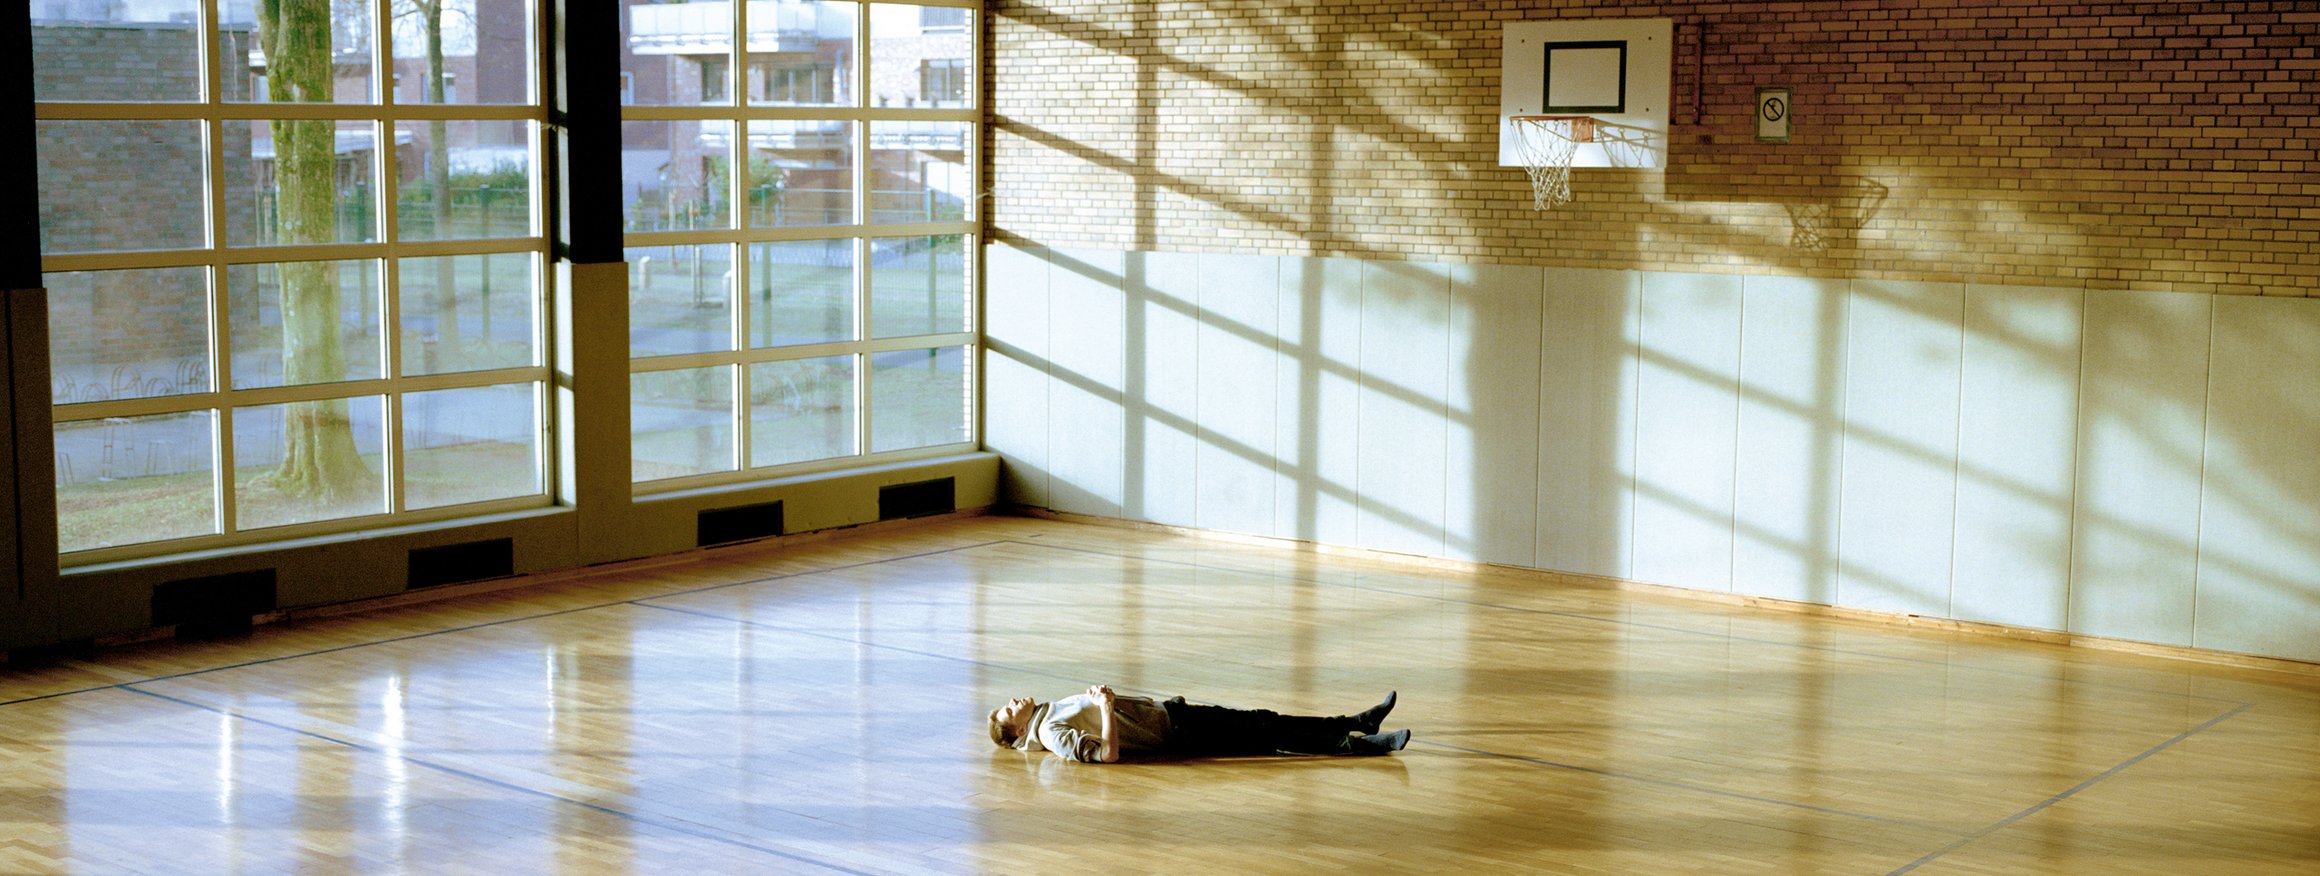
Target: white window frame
737, 111
382, 112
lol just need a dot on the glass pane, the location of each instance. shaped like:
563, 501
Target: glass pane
918, 171
918, 56
486, 166
672, 175
297, 323
801, 173
680, 299
466, 313
113, 186
678, 52
918, 398
681, 422
79, 50
129, 480
308, 461
918, 285
325, 193
332, 67
801, 54
804, 292
482, 59
801, 410
471, 445
128, 334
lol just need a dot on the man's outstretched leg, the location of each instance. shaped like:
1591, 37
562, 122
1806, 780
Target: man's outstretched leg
1368, 720
1218, 730
1375, 743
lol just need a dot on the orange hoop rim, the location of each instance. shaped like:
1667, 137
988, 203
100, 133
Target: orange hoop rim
1582, 127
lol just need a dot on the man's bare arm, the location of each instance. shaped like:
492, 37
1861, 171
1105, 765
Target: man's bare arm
1109, 752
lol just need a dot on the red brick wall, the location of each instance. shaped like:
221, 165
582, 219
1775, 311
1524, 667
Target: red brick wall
114, 204
2164, 146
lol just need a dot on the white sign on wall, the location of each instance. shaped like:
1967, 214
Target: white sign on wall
1774, 110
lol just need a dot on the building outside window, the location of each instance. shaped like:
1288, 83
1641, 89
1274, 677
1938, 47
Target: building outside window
934, 19
804, 82
944, 80
713, 79
287, 297
801, 260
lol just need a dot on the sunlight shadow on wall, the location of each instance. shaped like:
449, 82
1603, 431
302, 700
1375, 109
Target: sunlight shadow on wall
2259, 548
2020, 455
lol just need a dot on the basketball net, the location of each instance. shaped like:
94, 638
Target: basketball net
1546, 145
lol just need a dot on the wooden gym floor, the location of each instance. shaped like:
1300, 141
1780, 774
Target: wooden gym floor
816, 705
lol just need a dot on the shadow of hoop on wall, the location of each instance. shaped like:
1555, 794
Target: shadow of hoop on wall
1835, 223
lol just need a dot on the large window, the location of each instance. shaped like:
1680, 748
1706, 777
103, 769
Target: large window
800, 212
295, 265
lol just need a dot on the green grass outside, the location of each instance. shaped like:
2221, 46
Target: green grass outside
812, 301
161, 507
914, 408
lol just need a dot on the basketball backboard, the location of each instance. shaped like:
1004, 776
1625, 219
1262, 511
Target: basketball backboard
1616, 70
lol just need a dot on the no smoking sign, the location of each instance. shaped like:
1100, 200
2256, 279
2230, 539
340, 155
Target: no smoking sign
1774, 112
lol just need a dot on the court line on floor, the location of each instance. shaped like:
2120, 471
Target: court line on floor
482, 625
1830, 649
678, 826
2042, 805
2237, 706
646, 602
1614, 774
1687, 786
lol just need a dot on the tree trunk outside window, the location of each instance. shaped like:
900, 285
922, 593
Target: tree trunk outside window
450, 344
319, 461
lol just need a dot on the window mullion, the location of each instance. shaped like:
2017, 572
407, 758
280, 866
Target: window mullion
737, 211
863, 422
390, 334
974, 212
384, 93
862, 206
221, 373
737, 144
391, 422
383, 55
224, 511
209, 50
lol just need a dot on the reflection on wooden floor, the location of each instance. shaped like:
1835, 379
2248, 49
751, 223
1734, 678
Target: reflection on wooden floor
817, 706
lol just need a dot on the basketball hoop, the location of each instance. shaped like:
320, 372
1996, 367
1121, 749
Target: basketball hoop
1546, 145
1549, 146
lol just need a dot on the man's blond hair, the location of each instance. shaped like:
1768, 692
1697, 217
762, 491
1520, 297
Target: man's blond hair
999, 733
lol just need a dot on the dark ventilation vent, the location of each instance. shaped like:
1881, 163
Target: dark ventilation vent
53, 653
467, 561
921, 499
741, 523
213, 606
